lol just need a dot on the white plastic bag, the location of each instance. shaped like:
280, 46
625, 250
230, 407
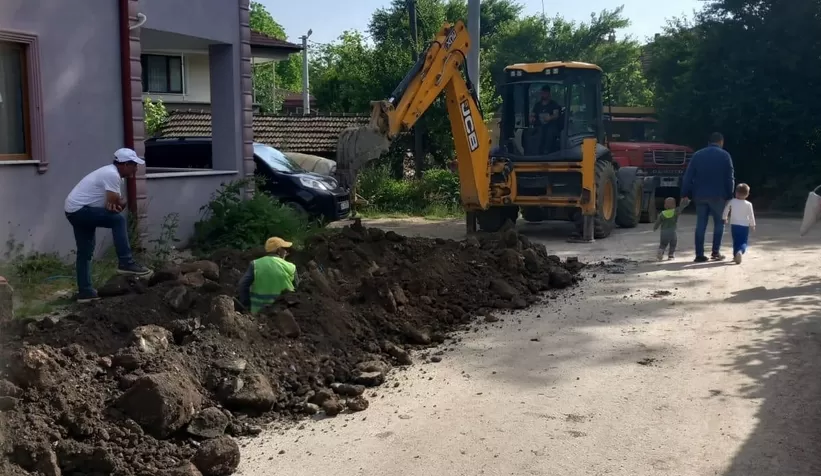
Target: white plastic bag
812, 211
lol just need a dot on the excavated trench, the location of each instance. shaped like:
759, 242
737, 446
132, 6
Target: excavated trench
159, 377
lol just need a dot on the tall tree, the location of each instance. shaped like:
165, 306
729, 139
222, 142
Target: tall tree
537, 39
747, 68
285, 75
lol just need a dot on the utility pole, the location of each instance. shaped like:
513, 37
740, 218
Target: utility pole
306, 96
418, 129
473, 30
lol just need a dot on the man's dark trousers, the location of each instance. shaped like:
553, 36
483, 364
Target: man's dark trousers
704, 210
85, 222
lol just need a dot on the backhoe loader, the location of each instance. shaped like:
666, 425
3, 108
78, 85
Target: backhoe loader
548, 166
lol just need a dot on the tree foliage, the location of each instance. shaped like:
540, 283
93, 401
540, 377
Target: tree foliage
535, 39
285, 75
154, 116
348, 74
746, 68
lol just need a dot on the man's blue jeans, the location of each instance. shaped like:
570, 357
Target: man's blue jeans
704, 210
85, 222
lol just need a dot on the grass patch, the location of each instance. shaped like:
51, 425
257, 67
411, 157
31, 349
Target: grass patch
45, 282
435, 211
434, 196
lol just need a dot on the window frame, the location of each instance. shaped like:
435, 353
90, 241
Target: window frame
167, 57
32, 102
27, 155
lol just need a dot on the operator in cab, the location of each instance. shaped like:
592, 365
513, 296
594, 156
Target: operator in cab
544, 119
267, 277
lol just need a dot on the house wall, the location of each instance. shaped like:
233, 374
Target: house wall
182, 195
78, 53
79, 62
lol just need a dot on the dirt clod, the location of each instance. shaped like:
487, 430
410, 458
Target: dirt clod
285, 322
209, 423
358, 404
179, 298
161, 403
348, 390
151, 339
333, 407
256, 394
209, 269
218, 457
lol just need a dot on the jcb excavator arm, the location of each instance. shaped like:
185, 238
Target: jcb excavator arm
440, 68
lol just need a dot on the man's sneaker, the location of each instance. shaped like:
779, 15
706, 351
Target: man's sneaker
660, 255
133, 269
717, 257
737, 258
700, 259
88, 296
671, 256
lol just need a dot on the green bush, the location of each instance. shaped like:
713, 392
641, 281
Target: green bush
436, 193
229, 221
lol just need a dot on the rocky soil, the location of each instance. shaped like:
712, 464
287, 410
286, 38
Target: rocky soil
158, 377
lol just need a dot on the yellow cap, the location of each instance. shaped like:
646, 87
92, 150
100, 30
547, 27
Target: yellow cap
274, 243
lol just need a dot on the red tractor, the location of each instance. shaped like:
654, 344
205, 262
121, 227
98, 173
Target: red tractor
633, 137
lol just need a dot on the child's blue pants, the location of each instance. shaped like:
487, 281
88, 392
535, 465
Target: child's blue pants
740, 235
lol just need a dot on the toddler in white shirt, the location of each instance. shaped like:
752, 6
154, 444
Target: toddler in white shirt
741, 219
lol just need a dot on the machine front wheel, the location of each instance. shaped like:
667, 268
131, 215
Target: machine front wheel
607, 199
494, 218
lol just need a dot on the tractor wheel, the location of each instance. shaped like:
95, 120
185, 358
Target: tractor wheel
628, 212
532, 214
607, 197
649, 215
494, 218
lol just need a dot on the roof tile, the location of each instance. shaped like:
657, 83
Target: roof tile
307, 134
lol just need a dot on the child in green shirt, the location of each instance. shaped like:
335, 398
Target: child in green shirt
667, 220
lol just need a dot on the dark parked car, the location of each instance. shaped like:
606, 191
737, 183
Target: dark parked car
315, 195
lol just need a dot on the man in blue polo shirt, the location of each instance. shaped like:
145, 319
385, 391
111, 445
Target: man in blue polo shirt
709, 182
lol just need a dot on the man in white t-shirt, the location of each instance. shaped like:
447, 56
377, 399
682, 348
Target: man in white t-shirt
97, 202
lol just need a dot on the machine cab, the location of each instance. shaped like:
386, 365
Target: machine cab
549, 109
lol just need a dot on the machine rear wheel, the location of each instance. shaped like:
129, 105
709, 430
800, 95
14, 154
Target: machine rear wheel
607, 199
629, 207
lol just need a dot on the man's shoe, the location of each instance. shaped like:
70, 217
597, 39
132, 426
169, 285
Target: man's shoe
737, 258
671, 256
660, 255
133, 269
700, 259
88, 296
717, 257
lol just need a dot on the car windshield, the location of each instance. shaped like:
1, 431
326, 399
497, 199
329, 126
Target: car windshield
634, 131
276, 159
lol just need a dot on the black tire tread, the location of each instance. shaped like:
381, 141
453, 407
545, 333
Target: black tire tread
626, 210
601, 227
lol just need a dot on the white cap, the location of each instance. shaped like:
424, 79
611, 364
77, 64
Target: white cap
127, 155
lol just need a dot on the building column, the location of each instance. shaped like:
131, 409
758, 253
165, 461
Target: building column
247, 86
226, 107
138, 117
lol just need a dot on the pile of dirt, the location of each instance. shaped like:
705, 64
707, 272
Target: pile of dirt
156, 379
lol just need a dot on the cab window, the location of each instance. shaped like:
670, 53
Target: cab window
582, 118
524, 96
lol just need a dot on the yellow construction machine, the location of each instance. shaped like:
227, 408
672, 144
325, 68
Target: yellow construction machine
546, 166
